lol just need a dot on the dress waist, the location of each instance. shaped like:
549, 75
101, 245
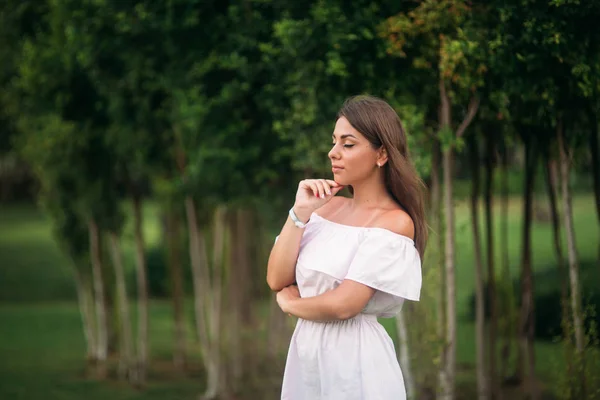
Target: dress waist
357, 318
365, 317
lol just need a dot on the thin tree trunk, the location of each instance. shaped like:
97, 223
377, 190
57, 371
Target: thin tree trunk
595, 164
84, 296
99, 301
142, 287
126, 369
506, 276
571, 246
225, 327
449, 359
244, 223
491, 272
527, 319
551, 184
436, 221
202, 297
480, 365
110, 303
450, 350
215, 315
404, 355
237, 297
177, 291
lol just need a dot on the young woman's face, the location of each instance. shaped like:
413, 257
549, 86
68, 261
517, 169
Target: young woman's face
353, 158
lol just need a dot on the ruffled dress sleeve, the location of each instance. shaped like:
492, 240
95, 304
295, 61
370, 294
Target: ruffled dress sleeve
389, 263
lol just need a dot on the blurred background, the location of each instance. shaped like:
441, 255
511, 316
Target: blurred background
150, 151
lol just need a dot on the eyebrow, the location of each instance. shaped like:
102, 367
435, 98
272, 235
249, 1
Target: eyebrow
344, 136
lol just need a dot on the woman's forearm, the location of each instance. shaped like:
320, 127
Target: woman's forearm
281, 268
324, 307
343, 302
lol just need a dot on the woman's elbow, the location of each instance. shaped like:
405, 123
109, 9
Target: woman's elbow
278, 278
277, 282
346, 311
274, 284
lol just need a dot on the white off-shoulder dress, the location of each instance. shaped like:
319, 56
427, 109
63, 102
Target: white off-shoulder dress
352, 359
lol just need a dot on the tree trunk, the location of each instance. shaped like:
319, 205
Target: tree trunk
404, 355
595, 164
480, 365
84, 295
236, 298
126, 359
245, 288
436, 222
551, 183
142, 287
527, 320
99, 301
508, 308
450, 349
177, 290
491, 272
449, 359
571, 244
202, 298
110, 302
219, 228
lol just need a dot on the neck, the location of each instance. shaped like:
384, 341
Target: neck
370, 193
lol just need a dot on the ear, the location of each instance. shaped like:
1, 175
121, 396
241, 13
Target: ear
382, 156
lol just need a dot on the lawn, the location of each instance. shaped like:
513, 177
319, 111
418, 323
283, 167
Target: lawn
42, 348
41, 341
544, 265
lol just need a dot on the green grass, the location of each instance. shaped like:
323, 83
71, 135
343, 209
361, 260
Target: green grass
32, 267
42, 347
42, 344
42, 351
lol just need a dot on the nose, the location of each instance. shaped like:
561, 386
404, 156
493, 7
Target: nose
334, 153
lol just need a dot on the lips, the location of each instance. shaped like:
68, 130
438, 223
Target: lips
336, 168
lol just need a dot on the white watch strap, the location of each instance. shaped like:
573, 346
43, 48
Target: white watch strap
294, 218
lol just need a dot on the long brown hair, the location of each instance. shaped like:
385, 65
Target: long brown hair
380, 124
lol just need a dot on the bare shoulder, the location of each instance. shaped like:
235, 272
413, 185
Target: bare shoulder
397, 221
331, 206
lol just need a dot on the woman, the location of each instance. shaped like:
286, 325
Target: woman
354, 259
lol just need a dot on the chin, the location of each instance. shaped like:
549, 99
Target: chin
338, 180
342, 182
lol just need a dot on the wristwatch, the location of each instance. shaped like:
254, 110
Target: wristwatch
294, 218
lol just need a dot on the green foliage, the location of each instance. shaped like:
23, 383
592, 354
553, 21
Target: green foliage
317, 75
576, 375
547, 301
413, 120
159, 281
443, 37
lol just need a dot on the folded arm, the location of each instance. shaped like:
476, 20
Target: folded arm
343, 302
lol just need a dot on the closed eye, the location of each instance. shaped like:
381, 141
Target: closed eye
346, 145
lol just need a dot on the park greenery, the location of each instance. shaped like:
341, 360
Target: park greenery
162, 143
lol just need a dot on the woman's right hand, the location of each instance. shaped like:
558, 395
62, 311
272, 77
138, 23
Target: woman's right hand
312, 194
